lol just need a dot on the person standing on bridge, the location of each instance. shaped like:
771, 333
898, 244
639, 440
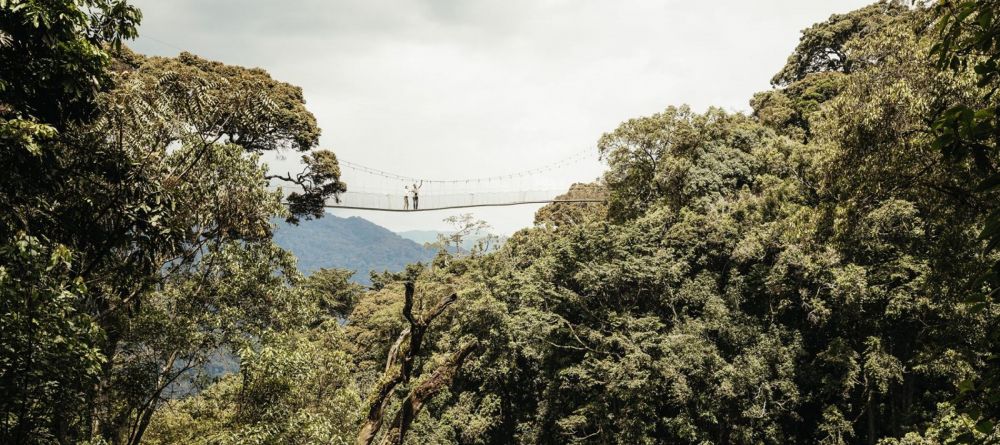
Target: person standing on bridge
416, 193
406, 200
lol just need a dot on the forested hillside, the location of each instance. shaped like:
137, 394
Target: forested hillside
821, 270
352, 244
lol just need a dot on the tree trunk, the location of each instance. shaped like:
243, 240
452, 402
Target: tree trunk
147, 409
871, 420
443, 377
399, 366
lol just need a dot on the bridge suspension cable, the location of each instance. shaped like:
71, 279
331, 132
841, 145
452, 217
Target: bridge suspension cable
574, 158
376, 189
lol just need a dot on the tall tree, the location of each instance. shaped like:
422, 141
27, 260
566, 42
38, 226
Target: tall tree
140, 178
969, 37
213, 278
55, 56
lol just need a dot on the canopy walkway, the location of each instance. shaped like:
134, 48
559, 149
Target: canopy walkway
378, 190
394, 202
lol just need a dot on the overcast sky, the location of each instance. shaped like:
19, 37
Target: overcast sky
455, 89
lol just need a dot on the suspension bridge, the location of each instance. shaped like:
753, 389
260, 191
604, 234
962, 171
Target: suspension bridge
374, 189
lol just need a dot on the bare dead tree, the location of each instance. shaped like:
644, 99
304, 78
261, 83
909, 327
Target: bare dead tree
428, 388
399, 370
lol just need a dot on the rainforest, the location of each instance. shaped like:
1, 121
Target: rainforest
822, 269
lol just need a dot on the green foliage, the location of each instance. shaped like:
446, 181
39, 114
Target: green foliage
55, 62
562, 214
296, 387
970, 37
676, 157
827, 46
206, 217
950, 427
240, 106
55, 57
966, 132
141, 179
244, 105
790, 110
801, 275
793, 277
47, 352
333, 292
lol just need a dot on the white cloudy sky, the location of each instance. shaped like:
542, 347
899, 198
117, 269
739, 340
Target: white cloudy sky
455, 89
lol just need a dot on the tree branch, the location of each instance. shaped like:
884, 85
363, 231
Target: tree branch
394, 376
442, 378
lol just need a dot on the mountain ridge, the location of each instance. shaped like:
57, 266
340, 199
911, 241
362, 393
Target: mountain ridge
352, 243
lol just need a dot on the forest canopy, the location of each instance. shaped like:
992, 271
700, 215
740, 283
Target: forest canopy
821, 269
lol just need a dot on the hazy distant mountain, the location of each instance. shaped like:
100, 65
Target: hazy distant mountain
349, 243
421, 236
430, 236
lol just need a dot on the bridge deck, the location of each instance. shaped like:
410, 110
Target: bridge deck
394, 202
463, 206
